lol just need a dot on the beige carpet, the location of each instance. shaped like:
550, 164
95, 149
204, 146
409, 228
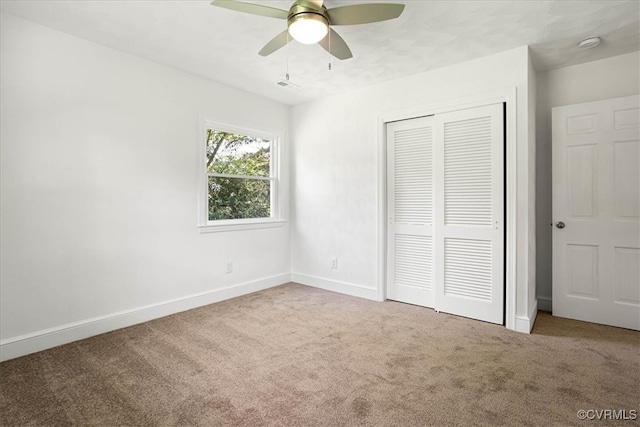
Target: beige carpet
299, 356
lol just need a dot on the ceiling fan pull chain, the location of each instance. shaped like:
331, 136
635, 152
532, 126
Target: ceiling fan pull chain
287, 74
329, 50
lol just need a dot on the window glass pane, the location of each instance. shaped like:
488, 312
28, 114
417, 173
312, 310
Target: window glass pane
235, 154
236, 198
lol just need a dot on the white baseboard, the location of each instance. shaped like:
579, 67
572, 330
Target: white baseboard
53, 337
544, 304
335, 286
525, 324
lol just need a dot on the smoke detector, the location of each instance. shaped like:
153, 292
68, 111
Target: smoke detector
589, 43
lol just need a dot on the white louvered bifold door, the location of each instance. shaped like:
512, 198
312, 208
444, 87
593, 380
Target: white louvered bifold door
410, 211
469, 225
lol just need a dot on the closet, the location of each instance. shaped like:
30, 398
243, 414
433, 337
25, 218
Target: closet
445, 209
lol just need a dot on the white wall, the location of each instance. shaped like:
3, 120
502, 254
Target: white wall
593, 81
335, 158
99, 191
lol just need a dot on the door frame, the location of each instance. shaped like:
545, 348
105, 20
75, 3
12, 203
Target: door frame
507, 96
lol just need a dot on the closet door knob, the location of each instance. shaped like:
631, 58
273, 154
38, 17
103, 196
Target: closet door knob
560, 224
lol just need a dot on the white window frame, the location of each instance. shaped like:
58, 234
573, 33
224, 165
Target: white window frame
276, 219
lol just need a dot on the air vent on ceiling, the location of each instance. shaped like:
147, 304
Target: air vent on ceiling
287, 83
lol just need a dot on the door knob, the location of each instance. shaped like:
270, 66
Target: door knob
560, 224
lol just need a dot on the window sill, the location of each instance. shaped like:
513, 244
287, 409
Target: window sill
239, 225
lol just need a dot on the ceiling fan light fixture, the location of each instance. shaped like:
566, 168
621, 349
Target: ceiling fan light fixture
308, 28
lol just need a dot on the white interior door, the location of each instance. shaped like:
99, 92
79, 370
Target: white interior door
469, 225
596, 212
410, 211
445, 187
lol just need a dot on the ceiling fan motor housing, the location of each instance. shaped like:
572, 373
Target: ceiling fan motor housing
302, 11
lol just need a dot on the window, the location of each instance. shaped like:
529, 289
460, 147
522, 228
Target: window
241, 180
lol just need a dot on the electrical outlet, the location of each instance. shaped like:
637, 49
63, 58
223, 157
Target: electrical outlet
229, 266
334, 262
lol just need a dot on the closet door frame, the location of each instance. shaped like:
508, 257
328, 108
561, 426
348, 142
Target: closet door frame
509, 98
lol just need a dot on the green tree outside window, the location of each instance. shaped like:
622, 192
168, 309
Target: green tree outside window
239, 176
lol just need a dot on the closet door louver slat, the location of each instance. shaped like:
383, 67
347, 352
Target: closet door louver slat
467, 268
413, 261
467, 172
413, 176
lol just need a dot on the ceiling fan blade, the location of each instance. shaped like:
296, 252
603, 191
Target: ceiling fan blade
276, 43
254, 9
364, 13
339, 47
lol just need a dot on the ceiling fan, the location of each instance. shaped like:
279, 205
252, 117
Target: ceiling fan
308, 22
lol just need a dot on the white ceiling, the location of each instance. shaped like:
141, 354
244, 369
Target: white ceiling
222, 45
